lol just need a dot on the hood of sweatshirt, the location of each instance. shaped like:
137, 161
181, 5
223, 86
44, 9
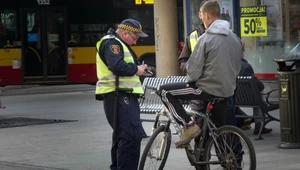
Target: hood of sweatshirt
219, 27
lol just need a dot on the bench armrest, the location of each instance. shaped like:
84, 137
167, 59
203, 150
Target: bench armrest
268, 95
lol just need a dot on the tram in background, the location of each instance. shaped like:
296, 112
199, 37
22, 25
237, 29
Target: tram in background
53, 41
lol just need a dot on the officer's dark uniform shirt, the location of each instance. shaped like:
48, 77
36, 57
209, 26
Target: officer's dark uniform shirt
111, 53
186, 51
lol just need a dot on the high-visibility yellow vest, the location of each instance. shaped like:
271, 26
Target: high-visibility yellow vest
193, 39
106, 79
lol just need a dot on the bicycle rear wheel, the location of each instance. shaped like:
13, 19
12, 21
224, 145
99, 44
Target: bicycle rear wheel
231, 149
156, 150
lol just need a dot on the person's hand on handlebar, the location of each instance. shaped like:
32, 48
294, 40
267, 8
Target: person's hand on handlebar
141, 69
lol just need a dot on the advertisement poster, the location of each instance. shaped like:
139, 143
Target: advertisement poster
226, 11
254, 21
274, 15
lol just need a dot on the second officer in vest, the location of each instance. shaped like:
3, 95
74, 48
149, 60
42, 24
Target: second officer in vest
117, 65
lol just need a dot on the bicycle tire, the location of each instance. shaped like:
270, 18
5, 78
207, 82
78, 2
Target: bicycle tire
149, 144
231, 157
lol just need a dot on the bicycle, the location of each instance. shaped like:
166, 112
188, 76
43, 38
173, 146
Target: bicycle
226, 147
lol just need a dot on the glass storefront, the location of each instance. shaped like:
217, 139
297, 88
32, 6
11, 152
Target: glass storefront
283, 26
283, 32
194, 7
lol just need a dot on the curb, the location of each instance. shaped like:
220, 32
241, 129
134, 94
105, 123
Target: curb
26, 90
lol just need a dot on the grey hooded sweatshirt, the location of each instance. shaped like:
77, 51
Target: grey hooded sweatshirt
215, 62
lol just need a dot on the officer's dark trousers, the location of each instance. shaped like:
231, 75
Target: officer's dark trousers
125, 151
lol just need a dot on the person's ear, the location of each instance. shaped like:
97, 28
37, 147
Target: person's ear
200, 15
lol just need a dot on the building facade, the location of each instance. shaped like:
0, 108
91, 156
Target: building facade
267, 35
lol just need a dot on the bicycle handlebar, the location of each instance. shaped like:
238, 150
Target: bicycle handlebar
149, 72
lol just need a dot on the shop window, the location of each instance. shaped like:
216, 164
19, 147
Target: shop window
194, 10
282, 34
291, 20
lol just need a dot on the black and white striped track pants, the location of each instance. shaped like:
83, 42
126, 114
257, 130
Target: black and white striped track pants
174, 92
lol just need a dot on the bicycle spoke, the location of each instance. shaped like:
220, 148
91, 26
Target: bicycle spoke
229, 150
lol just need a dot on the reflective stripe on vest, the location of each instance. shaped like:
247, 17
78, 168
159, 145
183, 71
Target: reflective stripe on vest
106, 79
193, 39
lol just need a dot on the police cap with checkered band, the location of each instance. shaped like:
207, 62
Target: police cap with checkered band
133, 26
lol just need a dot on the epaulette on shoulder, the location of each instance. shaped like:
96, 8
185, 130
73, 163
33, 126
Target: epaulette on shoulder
111, 36
193, 31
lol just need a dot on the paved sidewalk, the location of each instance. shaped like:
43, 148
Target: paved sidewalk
85, 144
18, 166
42, 89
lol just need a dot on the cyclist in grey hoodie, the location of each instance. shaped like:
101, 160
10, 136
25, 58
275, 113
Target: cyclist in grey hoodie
211, 72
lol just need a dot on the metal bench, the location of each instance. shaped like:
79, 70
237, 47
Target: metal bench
248, 95
151, 103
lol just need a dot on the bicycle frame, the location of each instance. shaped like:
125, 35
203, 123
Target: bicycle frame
165, 112
207, 127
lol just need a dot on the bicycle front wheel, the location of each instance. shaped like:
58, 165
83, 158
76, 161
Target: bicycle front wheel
230, 148
156, 150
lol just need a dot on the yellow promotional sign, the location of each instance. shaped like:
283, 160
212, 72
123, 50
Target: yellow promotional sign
254, 21
138, 2
144, 2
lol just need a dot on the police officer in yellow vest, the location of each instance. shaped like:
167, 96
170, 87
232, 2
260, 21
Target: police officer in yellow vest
117, 62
